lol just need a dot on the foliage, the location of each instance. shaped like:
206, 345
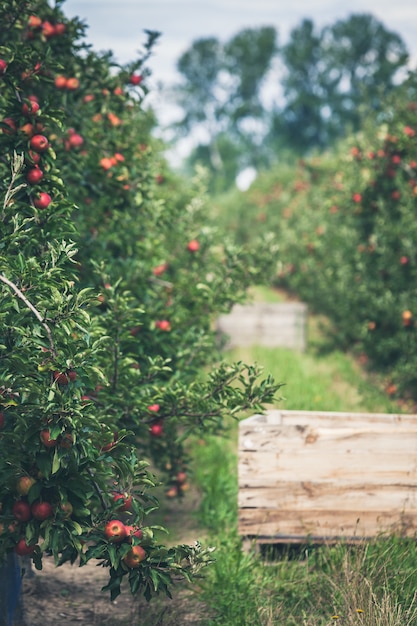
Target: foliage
220, 94
346, 226
248, 102
110, 279
331, 76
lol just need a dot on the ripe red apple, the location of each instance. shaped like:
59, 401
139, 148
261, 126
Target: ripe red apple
160, 269
45, 436
21, 511
172, 492
11, 124
66, 441
133, 531
115, 531
42, 510
125, 501
28, 129
34, 175
181, 477
134, 557
60, 28
48, 29
154, 408
164, 325
404, 260
135, 79
42, 201
60, 82
156, 430
72, 84
24, 485
61, 378
34, 157
72, 375
3, 66
39, 143
22, 548
30, 109
193, 245
75, 140
34, 21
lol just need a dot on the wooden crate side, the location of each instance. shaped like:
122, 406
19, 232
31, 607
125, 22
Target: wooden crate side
316, 478
278, 524
281, 324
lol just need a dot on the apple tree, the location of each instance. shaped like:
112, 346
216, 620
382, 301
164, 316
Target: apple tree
110, 279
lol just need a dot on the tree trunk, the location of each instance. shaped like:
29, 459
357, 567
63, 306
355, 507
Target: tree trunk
11, 605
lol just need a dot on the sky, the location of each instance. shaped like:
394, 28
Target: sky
119, 25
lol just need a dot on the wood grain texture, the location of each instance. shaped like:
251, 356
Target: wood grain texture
334, 474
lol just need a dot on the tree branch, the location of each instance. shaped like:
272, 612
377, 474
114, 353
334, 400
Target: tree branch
30, 306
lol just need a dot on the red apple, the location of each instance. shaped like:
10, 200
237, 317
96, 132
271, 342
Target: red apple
156, 430
11, 124
42, 510
34, 21
45, 436
30, 109
22, 548
48, 29
193, 245
34, 157
125, 501
24, 485
181, 477
60, 28
66, 441
154, 408
61, 378
75, 140
172, 492
133, 531
60, 82
72, 84
134, 557
42, 201
164, 325
72, 375
115, 531
34, 175
39, 143
3, 66
21, 511
135, 79
160, 269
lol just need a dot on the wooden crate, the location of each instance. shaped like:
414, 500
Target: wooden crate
279, 324
323, 476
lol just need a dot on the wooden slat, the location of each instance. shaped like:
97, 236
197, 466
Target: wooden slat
273, 522
307, 495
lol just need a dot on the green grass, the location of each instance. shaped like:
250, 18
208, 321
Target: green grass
370, 584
